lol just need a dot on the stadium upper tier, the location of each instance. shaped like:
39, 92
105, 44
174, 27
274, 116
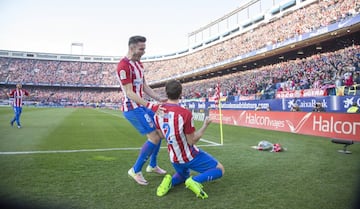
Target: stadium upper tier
319, 71
288, 29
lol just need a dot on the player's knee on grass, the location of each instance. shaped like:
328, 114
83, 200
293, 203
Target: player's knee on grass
221, 167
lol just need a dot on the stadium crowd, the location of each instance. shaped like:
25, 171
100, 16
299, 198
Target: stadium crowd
326, 70
44, 72
307, 19
66, 95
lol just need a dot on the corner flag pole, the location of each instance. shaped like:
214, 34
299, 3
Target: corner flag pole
221, 129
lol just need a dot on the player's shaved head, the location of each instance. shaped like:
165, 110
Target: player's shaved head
173, 89
136, 39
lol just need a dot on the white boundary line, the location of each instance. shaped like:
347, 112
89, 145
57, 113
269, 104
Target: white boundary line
94, 150
210, 142
203, 140
65, 151
83, 150
116, 115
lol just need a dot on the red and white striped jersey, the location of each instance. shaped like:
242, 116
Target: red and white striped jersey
129, 71
18, 95
175, 124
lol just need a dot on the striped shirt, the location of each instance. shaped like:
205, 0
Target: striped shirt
129, 71
175, 124
18, 95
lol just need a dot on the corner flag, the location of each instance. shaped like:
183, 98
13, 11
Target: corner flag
218, 105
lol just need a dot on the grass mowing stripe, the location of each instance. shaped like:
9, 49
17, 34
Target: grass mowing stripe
36, 123
209, 143
111, 112
76, 124
65, 151
89, 129
311, 174
83, 150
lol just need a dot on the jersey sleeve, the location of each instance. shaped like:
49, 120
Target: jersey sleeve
26, 93
189, 127
123, 72
12, 93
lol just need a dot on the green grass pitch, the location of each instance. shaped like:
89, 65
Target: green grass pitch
311, 174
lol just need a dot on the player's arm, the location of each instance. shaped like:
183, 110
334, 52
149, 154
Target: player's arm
124, 76
151, 93
128, 88
158, 129
194, 137
11, 94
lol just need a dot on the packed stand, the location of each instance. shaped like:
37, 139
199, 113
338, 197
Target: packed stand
76, 73
312, 17
321, 71
318, 71
62, 95
64, 73
326, 70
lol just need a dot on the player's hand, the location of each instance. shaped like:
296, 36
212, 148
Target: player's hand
161, 111
207, 121
152, 106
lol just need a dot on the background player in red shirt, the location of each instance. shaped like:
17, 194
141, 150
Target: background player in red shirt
18, 95
136, 110
177, 127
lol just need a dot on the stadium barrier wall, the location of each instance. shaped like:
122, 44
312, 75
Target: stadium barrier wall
330, 103
353, 90
330, 125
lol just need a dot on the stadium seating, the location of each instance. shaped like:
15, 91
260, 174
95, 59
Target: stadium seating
96, 81
316, 15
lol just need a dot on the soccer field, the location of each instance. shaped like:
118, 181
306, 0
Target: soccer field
78, 158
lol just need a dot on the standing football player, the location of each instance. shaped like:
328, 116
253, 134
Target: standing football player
176, 125
18, 95
139, 112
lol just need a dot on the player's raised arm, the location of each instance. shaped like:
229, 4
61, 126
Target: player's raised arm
11, 94
26, 93
194, 137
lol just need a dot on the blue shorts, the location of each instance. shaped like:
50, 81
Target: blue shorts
201, 163
17, 110
142, 119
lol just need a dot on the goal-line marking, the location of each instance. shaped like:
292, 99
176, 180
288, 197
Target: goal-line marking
210, 143
113, 114
203, 140
83, 150
64, 151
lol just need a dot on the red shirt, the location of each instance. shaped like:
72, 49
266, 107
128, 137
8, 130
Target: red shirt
175, 124
129, 71
18, 95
